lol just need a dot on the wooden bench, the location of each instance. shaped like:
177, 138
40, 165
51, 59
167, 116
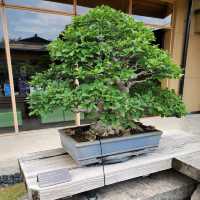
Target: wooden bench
174, 144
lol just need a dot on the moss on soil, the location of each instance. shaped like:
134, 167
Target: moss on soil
14, 192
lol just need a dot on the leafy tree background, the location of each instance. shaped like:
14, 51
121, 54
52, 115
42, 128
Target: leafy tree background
118, 67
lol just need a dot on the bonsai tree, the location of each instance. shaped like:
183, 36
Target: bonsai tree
119, 72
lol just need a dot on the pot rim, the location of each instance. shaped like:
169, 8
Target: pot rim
107, 140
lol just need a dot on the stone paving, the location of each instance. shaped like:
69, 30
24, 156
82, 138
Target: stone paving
190, 123
13, 146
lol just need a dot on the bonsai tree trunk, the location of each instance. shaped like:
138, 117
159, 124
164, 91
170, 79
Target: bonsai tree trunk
78, 115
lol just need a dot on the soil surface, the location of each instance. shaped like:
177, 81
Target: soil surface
96, 131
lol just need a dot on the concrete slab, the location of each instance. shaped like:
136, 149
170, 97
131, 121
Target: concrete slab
189, 123
13, 146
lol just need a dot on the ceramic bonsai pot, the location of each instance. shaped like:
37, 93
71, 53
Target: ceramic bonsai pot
86, 153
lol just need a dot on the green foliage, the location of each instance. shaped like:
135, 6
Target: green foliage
118, 68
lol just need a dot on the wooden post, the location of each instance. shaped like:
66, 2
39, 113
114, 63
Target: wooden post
172, 30
173, 23
75, 7
78, 115
130, 7
9, 64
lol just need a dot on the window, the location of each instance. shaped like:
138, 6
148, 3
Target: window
154, 22
29, 34
3, 65
6, 114
43, 4
24, 24
81, 10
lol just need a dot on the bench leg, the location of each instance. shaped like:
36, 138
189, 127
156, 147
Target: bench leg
90, 195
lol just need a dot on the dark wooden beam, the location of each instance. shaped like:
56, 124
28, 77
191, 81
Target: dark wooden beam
186, 45
152, 8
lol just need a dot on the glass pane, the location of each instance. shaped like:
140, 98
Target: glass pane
43, 4
25, 24
30, 33
154, 21
6, 114
3, 67
81, 10
157, 13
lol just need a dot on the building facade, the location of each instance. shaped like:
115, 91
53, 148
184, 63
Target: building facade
27, 26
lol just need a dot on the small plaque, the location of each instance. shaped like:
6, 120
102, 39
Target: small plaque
53, 177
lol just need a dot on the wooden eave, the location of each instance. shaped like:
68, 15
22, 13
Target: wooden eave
151, 8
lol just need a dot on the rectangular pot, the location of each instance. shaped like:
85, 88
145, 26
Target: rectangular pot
85, 153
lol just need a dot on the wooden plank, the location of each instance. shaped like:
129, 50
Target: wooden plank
173, 144
83, 179
188, 165
53, 177
172, 32
34, 167
39, 10
168, 1
42, 154
157, 26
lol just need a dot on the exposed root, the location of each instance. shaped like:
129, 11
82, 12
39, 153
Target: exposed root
99, 130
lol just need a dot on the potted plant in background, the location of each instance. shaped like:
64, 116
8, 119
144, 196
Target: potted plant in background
119, 72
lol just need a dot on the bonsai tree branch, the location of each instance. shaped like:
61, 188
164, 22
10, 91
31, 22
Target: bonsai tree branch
122, 86
79, 110
134, 82
141, 77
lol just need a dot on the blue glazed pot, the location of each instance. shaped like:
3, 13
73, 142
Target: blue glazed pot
85, 153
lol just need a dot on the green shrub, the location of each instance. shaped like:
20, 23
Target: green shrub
117, 65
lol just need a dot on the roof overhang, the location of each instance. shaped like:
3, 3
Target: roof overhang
151, 8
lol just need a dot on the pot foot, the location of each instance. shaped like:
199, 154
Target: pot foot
91, 195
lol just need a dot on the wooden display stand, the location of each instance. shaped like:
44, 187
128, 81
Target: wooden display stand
174, 145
